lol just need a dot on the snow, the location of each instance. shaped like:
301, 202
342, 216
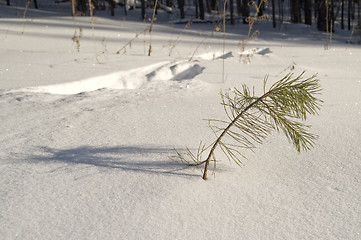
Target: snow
131, 79
87, 138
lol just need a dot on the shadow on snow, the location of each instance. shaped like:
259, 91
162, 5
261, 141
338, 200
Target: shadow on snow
126, 158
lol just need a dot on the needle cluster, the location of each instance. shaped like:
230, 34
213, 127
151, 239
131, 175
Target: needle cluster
283, 107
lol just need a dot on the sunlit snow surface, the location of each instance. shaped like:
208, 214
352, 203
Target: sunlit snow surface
87, 138
131, 79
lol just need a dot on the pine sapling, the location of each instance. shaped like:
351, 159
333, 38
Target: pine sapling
283, 107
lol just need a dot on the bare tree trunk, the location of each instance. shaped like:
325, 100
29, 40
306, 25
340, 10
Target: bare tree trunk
125, 7
143, 9
201, 9
181, 8
112, 6
296, 11
342, 14
73, 8
321, 15
231, 11
349, 14
324, 15
81, 6
280, 10
245, 11
239, 8
308, 12
197, 8
273, 14
208, 5
359, 13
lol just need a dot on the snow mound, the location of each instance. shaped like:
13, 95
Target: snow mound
131, 79
175, 71
260, 51
263, 51
214, 55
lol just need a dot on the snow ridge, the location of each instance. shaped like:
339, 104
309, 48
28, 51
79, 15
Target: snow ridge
131, 79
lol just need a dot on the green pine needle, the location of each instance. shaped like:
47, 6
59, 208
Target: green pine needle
284, 108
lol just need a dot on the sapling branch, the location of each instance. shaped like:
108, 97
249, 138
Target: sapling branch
252, 118
234, 121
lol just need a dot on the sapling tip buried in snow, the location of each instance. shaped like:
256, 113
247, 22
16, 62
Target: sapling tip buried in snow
283, 107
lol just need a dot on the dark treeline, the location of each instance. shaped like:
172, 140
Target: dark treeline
323, 13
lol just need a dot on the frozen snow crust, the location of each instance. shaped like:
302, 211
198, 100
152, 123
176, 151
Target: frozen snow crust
87, 138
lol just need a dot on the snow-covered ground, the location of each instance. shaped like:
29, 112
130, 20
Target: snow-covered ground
87, 137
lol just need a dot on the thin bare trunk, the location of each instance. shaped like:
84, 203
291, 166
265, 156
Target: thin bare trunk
73, 8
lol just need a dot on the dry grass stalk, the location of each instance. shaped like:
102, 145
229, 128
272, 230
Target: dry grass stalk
26, 8
251, 20
173, 44
76, 38
129, 43
215, 29
151, 27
